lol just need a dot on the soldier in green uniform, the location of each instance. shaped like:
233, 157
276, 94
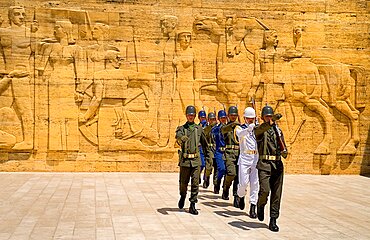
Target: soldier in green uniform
271, 148
189, 136
231, 155
209, 151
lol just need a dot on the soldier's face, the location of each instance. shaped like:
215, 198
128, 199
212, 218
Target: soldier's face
190, 117
212, 120
202, 119
223, 120
233, 118
248, 120
18, 17
267, 118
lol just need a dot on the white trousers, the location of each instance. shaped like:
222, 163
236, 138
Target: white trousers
248, 174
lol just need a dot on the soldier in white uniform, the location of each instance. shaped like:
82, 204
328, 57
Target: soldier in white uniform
247, 161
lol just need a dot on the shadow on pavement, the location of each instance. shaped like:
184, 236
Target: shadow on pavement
165, 211
214, 204
247, 225
201, 190
209, 196
228, 213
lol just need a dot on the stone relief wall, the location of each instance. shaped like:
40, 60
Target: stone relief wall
86, 89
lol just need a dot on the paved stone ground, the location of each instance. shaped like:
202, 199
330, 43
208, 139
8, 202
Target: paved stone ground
144, 206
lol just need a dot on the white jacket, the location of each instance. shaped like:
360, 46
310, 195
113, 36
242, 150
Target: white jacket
247, 144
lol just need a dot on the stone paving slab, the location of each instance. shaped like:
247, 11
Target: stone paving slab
144, 206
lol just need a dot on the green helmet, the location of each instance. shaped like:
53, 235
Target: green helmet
233, 110
190, 110
211, 115
267, 111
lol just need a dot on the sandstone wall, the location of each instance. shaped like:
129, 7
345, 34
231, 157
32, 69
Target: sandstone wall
101, 85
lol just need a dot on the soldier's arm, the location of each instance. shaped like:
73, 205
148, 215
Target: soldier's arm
203, 141
229, 127
179, 135
260, 129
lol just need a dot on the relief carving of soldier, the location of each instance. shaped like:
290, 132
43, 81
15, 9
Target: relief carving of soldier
168, 24
17, 46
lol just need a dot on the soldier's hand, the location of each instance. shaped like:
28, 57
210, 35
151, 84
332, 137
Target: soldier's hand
276, 117
184, 138
284, 154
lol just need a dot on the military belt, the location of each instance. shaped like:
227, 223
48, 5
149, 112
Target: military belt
270, 157
253, 152
189, 155
222, 149
232, 147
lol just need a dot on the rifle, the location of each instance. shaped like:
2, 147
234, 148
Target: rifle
238, 114
280, 136
254, 107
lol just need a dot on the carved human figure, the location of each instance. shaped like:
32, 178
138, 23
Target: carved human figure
17, 45
297, 36
271, 69
237, 68
168, 26
187, 71
7, 140
63, 60
120, 87
95, 53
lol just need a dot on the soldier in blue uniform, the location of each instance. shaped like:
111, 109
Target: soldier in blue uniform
219, 150
202, 116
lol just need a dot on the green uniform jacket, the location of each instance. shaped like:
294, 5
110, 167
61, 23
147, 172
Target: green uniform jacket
230, 140
211, 145
191, 146
268, 145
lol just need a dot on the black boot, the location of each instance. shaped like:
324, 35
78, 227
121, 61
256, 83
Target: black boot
181, 202
242, 203
225, 194
252, 211
236, 201
206, 182
216, 189
261, 213
192, 209
272, 226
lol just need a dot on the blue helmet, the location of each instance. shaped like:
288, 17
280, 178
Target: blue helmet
221, 114
202, 113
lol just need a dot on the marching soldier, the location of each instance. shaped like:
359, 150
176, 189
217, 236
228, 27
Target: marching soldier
189, 136
210, 151
271, 148
219, 150
231, 155
202, 116
247, 161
